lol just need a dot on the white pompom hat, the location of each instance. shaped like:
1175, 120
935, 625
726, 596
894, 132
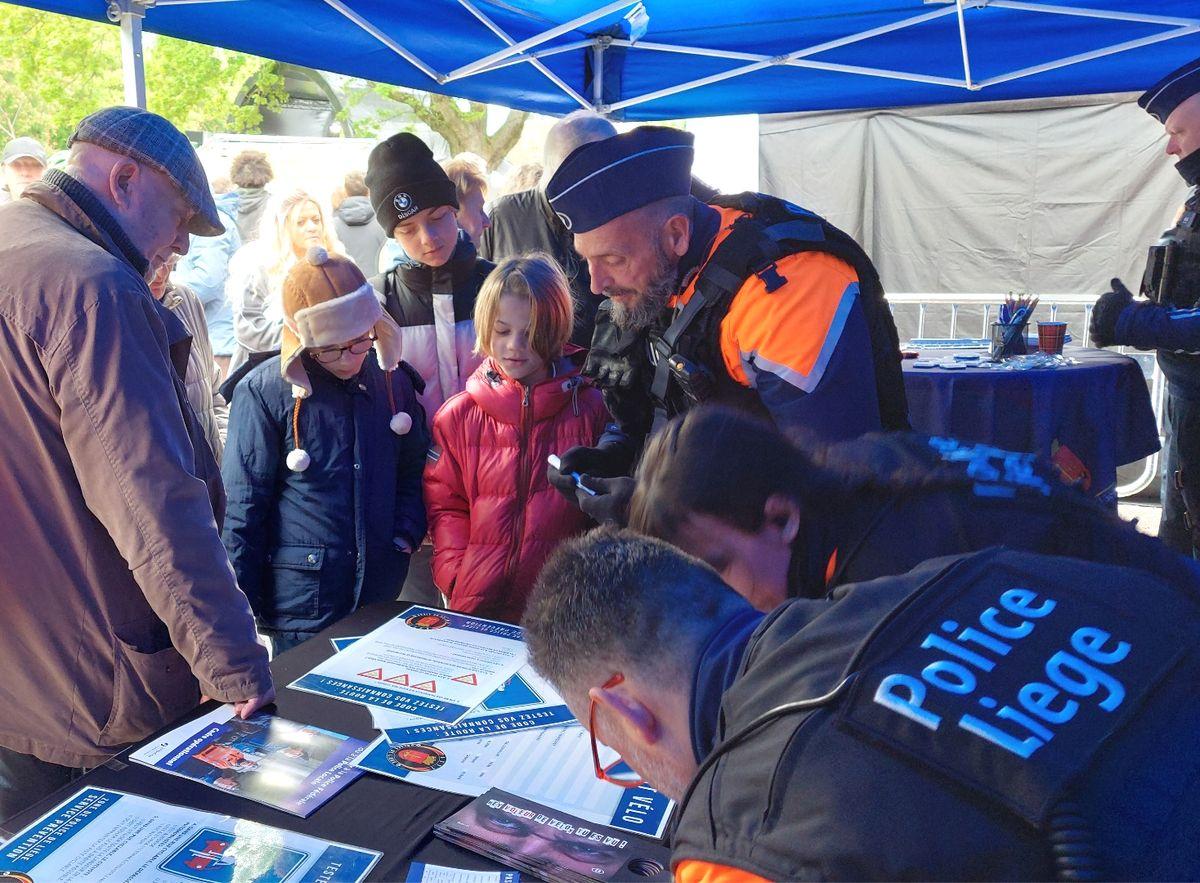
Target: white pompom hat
326, 302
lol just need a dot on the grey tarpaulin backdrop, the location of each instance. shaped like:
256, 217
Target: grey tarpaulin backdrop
1056, 195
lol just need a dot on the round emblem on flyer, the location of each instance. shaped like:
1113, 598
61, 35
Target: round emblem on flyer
417, 758
14, 877
427, 621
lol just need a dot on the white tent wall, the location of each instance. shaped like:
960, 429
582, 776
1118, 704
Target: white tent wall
1052, 196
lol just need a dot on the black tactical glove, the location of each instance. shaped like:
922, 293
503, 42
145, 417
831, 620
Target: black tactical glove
610, 505
608, 361
1106, 312
609, 461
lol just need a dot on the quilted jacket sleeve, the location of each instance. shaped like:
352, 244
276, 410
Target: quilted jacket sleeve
446, 502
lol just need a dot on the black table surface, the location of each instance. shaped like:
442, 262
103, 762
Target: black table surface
374, 812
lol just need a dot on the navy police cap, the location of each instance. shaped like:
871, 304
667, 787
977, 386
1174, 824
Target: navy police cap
605, 179
1171, 91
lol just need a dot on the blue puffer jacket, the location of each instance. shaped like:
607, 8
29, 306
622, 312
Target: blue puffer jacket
204, 270
309, 547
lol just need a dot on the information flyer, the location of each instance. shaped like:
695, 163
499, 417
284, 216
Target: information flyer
102, 836
525, 701
290, 766
550, 766
433, 664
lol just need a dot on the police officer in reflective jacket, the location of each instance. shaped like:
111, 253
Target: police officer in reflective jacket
999, 715
749, 301
1168, 319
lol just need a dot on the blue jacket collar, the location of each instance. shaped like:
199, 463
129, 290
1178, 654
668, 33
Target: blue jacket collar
716, 670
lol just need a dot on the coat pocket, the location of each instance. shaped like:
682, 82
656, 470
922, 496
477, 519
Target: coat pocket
296, 571
150, 690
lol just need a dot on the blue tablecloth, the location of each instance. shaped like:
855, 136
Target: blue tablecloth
1098, 409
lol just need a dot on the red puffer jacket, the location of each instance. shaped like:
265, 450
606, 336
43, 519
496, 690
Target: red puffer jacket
493, 516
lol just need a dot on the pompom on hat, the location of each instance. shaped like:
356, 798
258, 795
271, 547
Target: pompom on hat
326, 302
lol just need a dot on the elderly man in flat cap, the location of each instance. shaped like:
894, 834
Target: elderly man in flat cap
749, 300
1168, 320
119, 605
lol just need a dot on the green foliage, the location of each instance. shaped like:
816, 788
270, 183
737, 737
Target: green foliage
56, 70
197, 87
462, 123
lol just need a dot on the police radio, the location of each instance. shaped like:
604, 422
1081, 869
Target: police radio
1172, 276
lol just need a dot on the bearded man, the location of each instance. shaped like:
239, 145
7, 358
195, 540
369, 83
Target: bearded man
749, 301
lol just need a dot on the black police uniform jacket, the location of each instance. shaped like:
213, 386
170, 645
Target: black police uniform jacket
1101, 777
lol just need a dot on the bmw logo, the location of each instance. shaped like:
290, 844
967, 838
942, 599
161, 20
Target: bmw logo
402, 202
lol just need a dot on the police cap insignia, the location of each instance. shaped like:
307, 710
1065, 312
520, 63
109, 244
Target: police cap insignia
605, 179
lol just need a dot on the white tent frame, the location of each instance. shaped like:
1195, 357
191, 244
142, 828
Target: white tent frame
129, 14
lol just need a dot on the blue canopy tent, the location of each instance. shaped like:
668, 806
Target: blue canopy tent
678, 58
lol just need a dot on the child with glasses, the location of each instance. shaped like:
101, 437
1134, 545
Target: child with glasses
493, 515
323, 461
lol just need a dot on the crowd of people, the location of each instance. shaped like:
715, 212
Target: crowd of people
663, 428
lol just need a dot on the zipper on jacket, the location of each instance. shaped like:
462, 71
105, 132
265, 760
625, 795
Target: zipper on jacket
522, 482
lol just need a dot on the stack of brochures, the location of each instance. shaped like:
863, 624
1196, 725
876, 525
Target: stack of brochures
290, 766
460, 709
547, 843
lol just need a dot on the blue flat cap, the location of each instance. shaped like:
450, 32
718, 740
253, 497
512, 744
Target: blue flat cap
1171, 91
605, 179
151, 139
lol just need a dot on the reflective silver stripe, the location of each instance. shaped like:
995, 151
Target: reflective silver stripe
617, 163
1170, 83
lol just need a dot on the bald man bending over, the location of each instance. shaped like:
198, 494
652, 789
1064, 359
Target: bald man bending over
119, 605
523, 222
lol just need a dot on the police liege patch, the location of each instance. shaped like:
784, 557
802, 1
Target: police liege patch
1008, 679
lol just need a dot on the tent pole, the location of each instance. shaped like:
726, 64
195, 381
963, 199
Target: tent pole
1090, 56
962, 39
541, 53
129, 15
386, 40
537, 39
793, 56
1139, 17
535, 63
598, 48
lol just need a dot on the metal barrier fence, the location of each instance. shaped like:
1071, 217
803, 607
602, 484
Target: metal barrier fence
955, 315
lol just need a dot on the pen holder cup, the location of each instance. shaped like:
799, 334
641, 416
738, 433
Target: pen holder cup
1051, 337
1008, 339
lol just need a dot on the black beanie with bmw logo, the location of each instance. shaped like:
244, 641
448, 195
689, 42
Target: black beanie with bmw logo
403, 178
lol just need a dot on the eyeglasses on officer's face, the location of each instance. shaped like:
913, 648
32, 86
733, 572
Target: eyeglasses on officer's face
330, 354
624, 777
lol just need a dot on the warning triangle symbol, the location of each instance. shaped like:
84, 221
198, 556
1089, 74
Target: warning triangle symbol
467, 679
398, 680
427, 686
374, 674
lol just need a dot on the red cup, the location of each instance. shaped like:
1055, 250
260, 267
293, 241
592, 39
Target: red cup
1051, 337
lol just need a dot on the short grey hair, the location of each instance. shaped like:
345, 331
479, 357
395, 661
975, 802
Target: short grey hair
613, 600
571, 132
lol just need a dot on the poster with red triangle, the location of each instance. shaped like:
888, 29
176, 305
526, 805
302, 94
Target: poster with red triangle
427, 663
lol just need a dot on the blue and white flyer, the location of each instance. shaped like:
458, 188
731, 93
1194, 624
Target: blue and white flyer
102, 836
433, 664
290, 766
526, 701
552, 766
